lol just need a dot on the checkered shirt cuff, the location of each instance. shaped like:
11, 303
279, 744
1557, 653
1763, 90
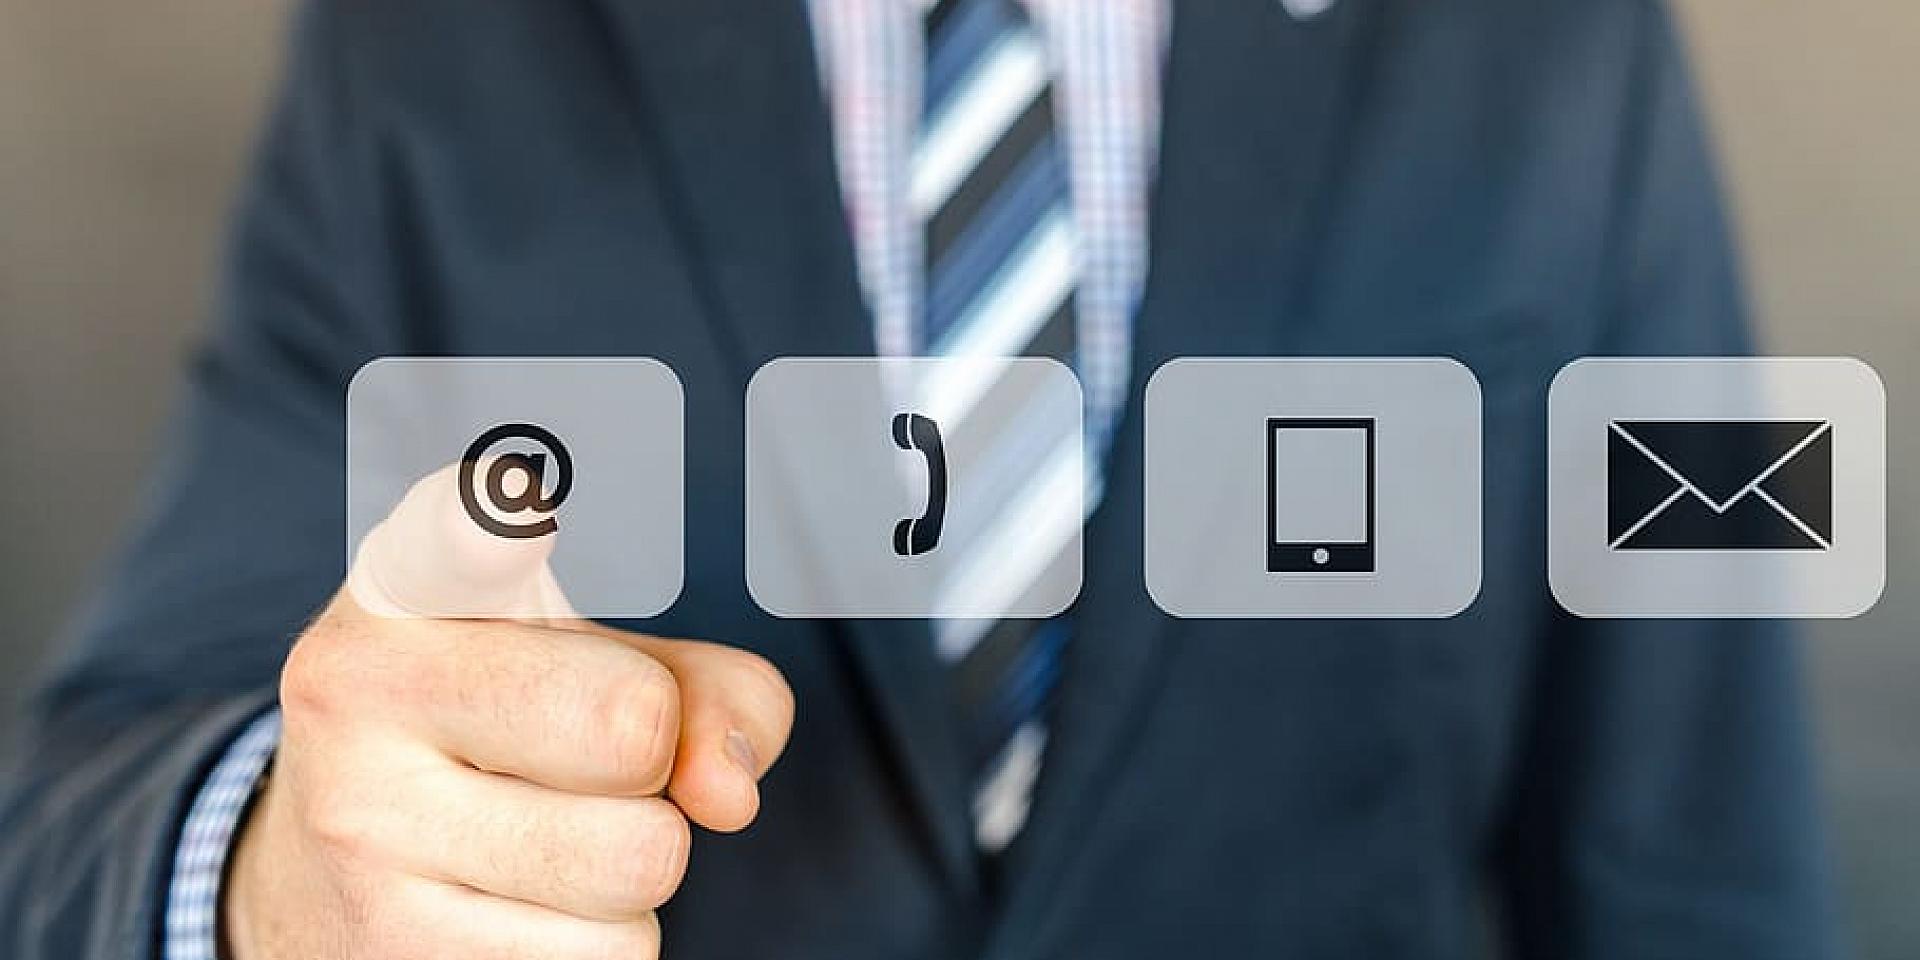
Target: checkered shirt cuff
199, 862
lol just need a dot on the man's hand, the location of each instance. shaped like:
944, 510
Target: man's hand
488, 788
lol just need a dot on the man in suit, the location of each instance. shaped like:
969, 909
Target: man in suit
1513, 183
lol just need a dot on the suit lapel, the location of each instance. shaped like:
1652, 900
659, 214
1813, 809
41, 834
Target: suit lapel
728, 96
1254, 103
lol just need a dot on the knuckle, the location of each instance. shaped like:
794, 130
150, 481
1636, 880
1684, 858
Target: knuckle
644, 867
637, 723
308, 679
638, 939
341, 659
340, 826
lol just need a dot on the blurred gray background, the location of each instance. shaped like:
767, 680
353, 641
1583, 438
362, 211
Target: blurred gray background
123, 126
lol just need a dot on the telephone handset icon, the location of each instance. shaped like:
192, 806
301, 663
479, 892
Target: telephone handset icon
918, 535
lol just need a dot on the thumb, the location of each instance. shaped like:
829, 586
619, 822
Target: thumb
430, 559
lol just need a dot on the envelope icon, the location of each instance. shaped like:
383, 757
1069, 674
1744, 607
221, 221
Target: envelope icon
1720, 484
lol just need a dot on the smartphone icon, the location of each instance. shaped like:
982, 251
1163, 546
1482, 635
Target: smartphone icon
1320, 494
920, 535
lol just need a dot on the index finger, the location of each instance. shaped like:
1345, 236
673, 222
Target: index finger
429, 559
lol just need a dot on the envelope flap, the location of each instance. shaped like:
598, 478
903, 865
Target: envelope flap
1719, 458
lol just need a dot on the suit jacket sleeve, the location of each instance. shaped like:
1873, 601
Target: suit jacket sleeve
1663, 806
241, 542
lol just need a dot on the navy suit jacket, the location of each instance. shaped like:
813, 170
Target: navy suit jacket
1510, 182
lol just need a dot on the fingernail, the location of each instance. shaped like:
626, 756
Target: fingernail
740, 751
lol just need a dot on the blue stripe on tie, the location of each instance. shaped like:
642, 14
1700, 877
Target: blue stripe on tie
1023, 706
964, 37
1003, 228
999, 200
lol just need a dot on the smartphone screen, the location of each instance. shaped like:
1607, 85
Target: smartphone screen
1320, 493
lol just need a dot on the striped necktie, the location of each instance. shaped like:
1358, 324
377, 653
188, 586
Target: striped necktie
990, 189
